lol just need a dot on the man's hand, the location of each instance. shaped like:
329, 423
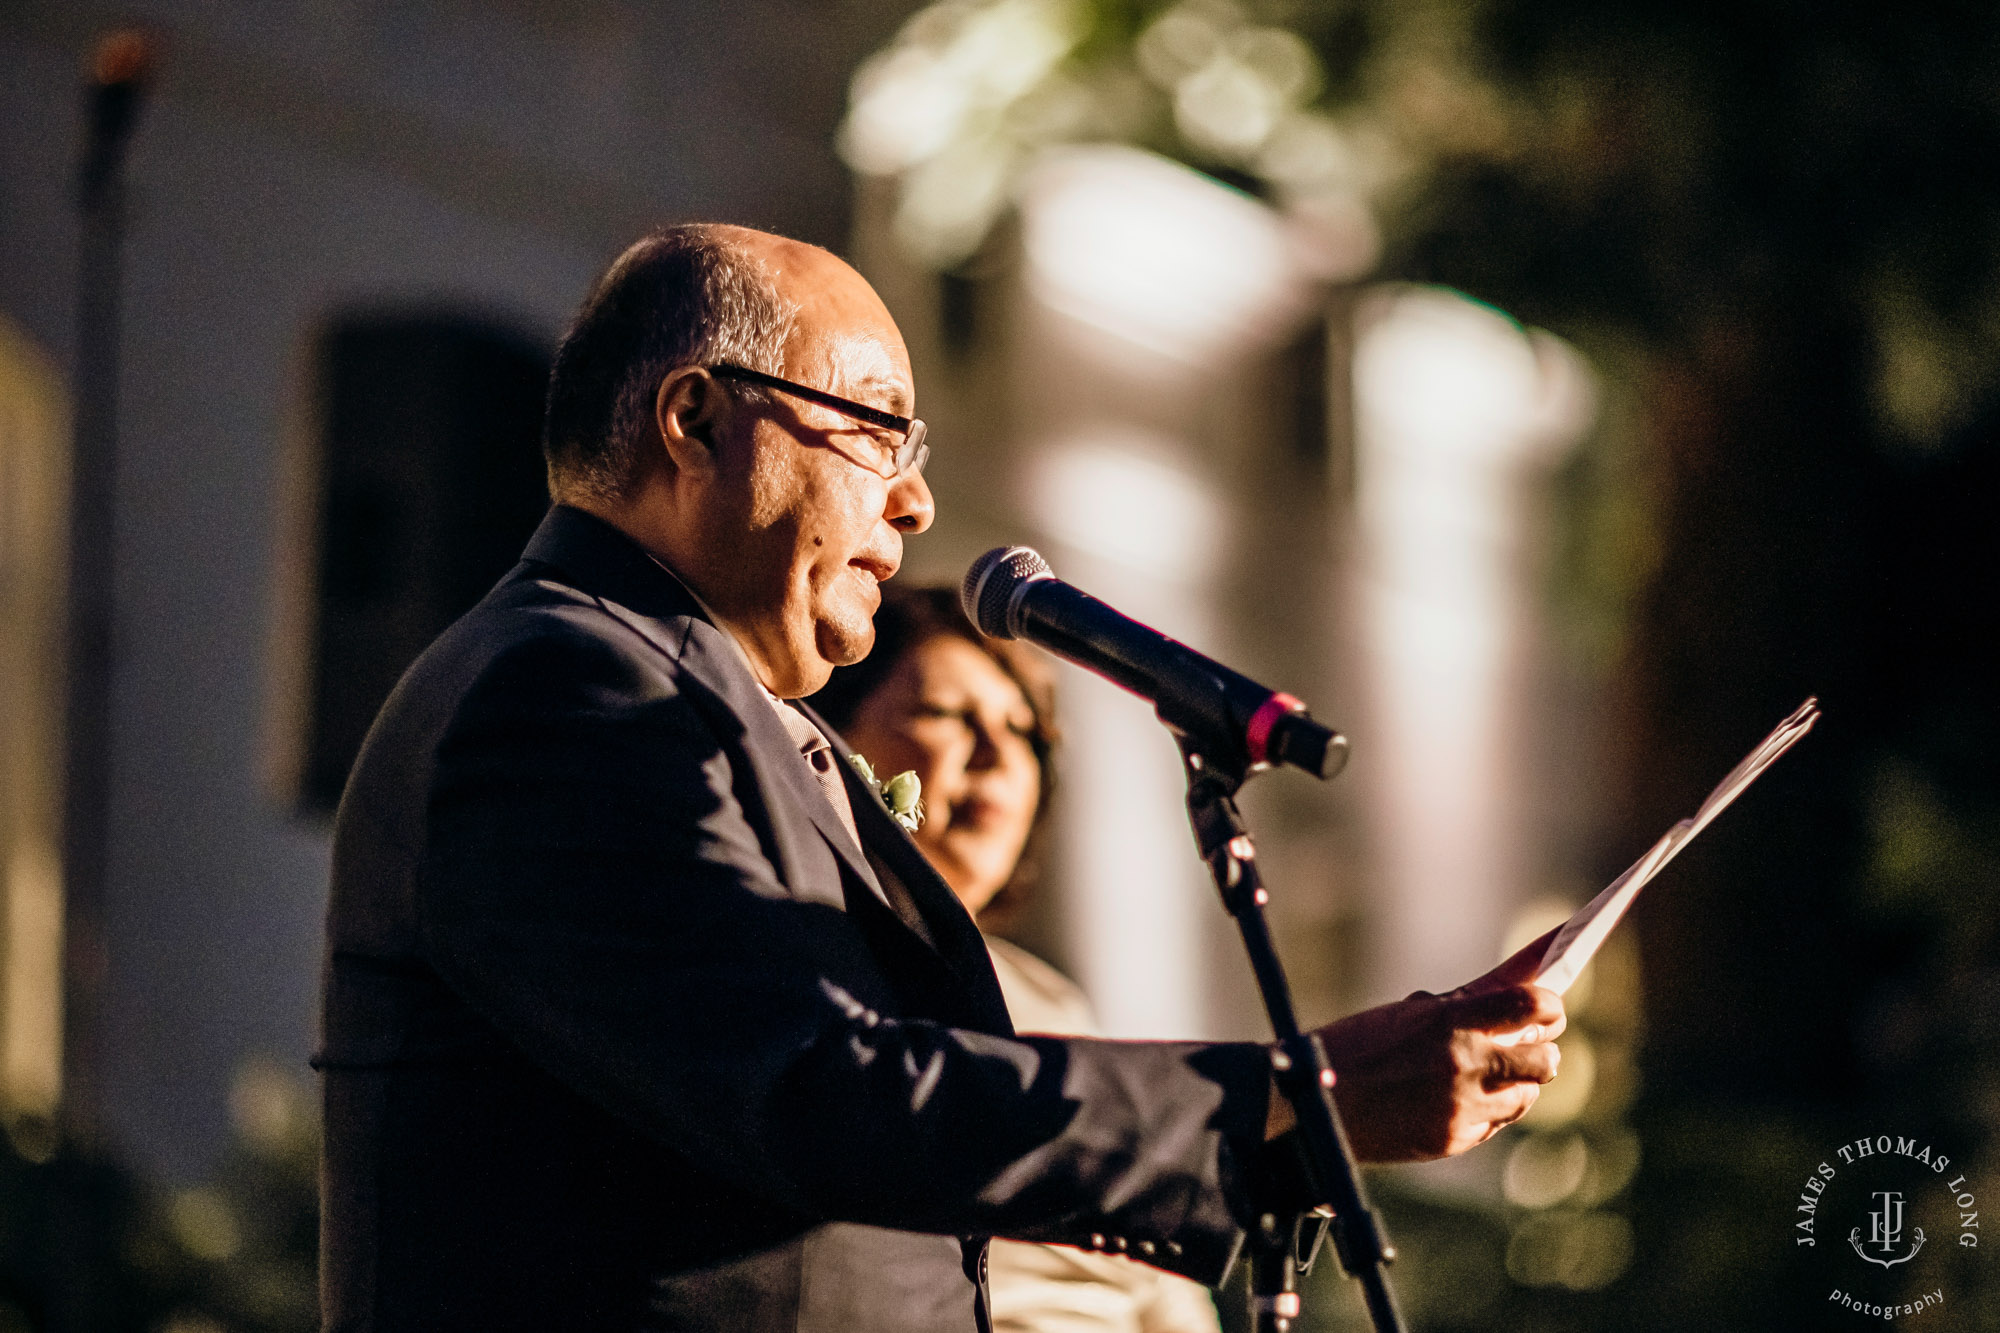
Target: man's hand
1425, 1078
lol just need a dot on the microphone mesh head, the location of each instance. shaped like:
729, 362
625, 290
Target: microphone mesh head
990, 583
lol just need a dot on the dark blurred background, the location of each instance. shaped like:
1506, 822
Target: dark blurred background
1553, 393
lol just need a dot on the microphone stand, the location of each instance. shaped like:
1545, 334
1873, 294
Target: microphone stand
1282, 1247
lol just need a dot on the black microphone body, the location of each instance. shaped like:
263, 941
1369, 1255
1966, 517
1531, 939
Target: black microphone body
1231, 721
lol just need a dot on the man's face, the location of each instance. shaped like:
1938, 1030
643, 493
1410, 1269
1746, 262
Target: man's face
801, 528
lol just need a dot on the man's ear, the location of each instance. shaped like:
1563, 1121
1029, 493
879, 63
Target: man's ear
687, 412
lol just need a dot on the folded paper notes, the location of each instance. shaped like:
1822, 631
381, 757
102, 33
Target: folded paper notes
1584, 933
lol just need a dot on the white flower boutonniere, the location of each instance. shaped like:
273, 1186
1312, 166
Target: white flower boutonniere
902, 795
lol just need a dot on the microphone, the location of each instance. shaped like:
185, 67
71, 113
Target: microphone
1229, 719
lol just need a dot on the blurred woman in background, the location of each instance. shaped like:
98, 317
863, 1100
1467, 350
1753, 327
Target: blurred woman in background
974, 719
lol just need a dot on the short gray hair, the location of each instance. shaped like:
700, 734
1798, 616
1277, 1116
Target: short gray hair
684, 296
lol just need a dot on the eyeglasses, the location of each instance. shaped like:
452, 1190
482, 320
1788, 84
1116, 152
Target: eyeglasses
906, 459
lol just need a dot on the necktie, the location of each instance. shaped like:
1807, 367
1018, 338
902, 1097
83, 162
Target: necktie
825, 766
823, 763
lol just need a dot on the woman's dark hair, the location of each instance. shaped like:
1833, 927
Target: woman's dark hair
911, 617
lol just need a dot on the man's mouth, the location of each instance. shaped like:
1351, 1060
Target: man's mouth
878, 568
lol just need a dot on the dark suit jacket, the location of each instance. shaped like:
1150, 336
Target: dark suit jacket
619, 1033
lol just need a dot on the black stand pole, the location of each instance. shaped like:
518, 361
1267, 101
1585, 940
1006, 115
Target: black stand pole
1283, 1247
120, 67
117, 85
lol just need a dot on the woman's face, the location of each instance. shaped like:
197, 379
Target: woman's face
950, 713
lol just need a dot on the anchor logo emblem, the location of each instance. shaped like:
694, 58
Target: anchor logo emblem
1885, 1232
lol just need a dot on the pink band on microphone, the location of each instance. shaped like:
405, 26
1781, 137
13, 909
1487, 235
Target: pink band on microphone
1262, 722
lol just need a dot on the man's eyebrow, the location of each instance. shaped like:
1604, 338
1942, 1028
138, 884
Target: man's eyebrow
895, 397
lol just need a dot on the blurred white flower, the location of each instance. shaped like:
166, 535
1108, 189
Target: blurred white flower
949, 202
949, 106
952, 61
1180, 42
970, 94
1226, 109
905, 108
1307, 151
1281, 59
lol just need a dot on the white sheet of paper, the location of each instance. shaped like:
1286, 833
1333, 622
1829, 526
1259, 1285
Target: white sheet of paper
1584, 933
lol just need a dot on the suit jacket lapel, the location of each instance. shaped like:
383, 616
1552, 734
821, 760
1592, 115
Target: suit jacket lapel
653, 603
604, 563
715, 661
947, 926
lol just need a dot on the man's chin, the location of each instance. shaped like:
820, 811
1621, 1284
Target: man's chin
844, 640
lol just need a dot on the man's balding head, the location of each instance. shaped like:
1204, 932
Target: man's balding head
770, 505
690, 295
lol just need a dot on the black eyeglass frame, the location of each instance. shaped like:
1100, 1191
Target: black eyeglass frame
909, 456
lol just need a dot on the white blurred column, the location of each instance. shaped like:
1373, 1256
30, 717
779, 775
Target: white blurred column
1143, 535
1459, 412
1146, 289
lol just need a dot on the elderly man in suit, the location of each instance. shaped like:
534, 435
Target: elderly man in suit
641, 1012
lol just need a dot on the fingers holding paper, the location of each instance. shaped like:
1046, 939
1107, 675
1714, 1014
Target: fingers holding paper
1434, 1075
1521, 967
1509, 1035
1431, 1076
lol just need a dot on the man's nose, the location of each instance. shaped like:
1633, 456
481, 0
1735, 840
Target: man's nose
911, 507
